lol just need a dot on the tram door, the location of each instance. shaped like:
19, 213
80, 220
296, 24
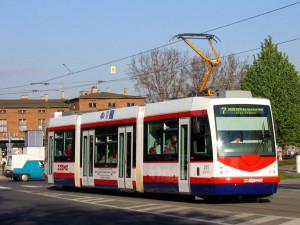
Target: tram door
184, 154
125, 148
50, 156
88, 143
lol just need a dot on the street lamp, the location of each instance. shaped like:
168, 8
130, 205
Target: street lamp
44, 83
67, 68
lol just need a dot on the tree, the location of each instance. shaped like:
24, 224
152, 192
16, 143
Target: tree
226, 76
160, 75
272, 76
229, 74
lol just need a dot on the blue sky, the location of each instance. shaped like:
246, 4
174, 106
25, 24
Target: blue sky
37, 37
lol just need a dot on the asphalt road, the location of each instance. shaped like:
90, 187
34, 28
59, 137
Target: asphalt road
36, 202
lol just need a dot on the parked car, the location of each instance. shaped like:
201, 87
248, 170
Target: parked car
24, 167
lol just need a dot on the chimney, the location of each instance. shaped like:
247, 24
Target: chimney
125, 91
46, 97
94, 90
24, 96
42, 97
62, 94
108, 90
83, 93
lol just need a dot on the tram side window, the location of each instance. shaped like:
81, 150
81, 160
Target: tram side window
201, 139
64, 145
106, 148
161, 141
154, 138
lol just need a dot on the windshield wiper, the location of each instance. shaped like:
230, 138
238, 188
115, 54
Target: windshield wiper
263, 142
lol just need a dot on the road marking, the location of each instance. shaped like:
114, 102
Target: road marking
178, 212
173, 209
228, 218
156, 207
106, 200
25, 191
31, 186
140, 206
5, 188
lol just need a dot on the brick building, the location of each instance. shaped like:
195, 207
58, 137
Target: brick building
19, 115
97, 100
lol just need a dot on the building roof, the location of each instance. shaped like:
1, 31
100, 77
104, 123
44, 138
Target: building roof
106, 95
33, 103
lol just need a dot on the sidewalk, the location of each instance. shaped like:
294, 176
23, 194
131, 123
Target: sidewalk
289, 169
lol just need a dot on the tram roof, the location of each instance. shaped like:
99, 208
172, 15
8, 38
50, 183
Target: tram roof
130, 114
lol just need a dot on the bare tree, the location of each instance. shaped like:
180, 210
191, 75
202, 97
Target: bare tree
229, 73
226, 76
197, 69
166, 74
160, 75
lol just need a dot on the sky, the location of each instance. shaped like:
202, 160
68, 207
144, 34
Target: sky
53, 45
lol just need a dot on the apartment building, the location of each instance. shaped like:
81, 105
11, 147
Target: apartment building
19, 115
95, 100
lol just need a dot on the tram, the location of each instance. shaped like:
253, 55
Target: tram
221, 145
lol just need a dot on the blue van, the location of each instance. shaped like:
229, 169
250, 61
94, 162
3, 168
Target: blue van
24, 167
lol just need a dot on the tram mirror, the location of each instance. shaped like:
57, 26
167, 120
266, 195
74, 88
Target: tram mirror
166, 127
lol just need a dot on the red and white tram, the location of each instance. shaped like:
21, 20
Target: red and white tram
205, 146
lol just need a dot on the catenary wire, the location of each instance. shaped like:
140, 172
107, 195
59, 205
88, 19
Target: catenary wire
162, 46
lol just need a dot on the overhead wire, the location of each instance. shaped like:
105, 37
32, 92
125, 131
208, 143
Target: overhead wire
165, 45
162, 46
84, 83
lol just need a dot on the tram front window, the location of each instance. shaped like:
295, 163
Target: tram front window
244, 129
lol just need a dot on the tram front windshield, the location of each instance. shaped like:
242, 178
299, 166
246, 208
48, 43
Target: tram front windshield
244, 129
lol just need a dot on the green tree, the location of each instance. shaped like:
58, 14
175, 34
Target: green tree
272, 76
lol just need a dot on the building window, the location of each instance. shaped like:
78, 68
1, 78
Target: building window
92, 105
42, 124
41, 111
130, 104
22, 111
3, 111
60, 110
3, 125
22, 125
111, 105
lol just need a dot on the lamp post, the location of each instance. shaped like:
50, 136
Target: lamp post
67, 68
44, 83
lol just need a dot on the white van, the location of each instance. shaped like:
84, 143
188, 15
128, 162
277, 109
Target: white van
23, 167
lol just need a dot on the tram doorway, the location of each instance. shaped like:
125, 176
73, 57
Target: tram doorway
88, 143
125, 150
50, 160
184, 155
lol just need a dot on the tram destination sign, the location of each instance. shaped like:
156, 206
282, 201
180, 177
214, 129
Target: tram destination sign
240, 110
